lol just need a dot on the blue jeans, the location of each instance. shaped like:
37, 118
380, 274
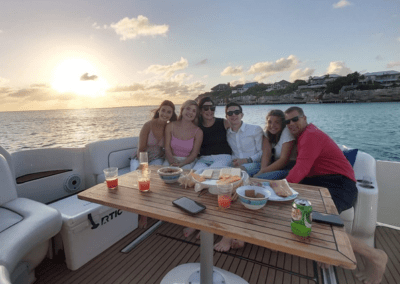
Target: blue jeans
252, 168
281, 174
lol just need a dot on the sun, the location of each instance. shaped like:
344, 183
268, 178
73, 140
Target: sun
80, 77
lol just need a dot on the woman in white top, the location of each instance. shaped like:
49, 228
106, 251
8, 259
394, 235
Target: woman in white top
279, 148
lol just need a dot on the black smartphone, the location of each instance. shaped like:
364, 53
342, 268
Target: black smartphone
330, 219
189, 205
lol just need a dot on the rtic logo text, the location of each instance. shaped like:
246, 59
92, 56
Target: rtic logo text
104, 219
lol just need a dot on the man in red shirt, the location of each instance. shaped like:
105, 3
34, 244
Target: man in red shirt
320, 162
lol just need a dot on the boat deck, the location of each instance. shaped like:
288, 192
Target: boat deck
166, 248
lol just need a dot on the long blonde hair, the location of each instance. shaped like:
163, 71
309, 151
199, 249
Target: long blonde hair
190, 103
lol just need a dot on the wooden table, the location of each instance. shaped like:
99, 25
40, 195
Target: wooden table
268, 227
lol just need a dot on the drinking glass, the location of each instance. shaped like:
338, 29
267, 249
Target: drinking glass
144, 161
111, 175
143, 180
224, 195
143, 158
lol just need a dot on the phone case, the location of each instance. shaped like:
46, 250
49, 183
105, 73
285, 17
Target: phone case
330, 219
189, 205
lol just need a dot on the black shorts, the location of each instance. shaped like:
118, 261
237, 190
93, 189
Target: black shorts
343, 190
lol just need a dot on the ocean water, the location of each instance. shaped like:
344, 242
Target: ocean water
370, 127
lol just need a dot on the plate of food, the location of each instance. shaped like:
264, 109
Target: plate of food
212, 177
280, 190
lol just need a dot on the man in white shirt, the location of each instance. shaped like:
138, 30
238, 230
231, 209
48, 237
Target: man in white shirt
244, 139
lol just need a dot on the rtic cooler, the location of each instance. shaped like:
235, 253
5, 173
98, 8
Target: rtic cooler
89, 228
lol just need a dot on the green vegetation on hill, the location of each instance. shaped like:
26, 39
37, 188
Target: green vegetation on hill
260, 89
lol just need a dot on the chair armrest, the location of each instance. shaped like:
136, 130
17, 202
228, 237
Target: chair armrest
40, 223
4, 275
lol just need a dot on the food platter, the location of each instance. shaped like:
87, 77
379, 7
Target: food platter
212, 183
274, 196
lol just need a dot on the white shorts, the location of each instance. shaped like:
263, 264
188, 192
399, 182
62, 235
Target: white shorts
215, 161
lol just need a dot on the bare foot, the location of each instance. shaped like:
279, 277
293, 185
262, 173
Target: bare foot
188, 231
223, 245
236, 244
142, 222
374, 268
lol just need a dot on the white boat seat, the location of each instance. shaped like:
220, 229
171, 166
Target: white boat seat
4, 275
8, 219
360, 221
110, 153
26, 226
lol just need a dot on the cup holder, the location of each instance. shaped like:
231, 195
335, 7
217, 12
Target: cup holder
366, 185
364, 181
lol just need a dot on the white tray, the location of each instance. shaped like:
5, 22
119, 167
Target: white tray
273, 196
212, 183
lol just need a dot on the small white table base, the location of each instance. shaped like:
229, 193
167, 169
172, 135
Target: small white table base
203, 272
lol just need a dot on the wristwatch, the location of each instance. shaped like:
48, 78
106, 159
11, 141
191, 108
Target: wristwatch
249, 160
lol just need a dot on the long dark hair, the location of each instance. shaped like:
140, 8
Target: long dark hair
274, 138
166, 103
201, 103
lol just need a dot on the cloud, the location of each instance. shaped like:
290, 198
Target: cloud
393, 64
156, 90
98, 27
86, 77
240, 81
341, 4
131, 28
339, 68
4, 81
168, 70
378, 57
301, 74
267, 69
204, 61
4, 90
232, 71
35, 93
1, 31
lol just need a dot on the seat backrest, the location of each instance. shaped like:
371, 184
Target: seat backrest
365, 166
8, 191
9, 160
110, 153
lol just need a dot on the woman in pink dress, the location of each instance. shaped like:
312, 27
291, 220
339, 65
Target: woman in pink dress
183, 137
151, 140
151, 137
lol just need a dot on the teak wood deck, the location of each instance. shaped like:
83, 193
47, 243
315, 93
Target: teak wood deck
156, 255
268, 227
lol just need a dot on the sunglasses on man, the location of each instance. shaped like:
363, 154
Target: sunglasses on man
206, 108
294, 119
237, 112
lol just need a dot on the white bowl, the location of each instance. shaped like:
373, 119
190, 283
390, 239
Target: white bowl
170, 174
253, 203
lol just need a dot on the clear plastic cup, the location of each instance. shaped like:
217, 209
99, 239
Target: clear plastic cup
111, 175
143, 180
224, 195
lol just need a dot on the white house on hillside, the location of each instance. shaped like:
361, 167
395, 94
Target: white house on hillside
318, 82
245, 87
278, 85
386, 78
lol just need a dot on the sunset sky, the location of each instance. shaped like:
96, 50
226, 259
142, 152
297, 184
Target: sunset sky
92, 54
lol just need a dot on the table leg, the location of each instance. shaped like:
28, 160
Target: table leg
203, 272
206, 257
